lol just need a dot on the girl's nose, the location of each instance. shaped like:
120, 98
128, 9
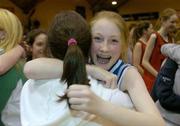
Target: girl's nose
104, 46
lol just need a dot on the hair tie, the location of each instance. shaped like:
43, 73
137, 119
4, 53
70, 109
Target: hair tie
72, 41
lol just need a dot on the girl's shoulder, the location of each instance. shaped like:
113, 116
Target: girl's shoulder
154, 35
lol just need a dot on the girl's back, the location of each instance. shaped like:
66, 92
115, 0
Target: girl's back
40, 106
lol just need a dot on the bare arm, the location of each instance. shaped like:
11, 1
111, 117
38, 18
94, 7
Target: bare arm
82, 98
109, 79
49, 68
137, 54
146, 111
43, 68
10, 58
147, 55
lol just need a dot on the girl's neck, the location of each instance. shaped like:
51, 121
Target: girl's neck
163, 32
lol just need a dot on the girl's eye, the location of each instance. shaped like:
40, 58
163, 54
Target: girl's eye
97, 39
39, 44
114, 40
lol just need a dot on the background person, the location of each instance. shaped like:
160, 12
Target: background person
11, 68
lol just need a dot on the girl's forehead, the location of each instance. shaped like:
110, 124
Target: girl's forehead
105, 26
103, 21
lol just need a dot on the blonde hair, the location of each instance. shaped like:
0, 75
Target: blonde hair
120, 23
164, 16
13, 29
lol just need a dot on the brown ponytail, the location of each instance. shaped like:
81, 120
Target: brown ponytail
65, 26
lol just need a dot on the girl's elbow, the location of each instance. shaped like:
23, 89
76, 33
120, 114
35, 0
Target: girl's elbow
160, 122
2, 70
143, 62
27, 71
157, 120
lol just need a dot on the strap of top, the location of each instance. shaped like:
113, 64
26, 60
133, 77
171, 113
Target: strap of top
119, 69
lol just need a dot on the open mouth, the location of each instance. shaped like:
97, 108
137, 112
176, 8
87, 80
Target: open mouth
103, 59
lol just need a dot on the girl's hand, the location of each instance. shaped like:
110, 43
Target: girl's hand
108, 78
81, 98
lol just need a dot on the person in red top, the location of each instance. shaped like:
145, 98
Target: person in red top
141, 35
153, 58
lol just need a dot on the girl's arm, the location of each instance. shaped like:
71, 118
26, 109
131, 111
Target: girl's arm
109, 79
137, 54
43, 68
146, 111
147, 55
10, 58
146, 114
49, 68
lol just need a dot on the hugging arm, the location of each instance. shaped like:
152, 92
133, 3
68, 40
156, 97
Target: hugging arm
146, 112
50, 68
10, 58
82, 98
43, 68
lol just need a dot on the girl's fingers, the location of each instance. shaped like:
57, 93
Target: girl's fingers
77, 107
76, 101
77, 87
114, 83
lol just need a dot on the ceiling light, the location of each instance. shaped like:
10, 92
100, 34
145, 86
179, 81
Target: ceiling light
114, 2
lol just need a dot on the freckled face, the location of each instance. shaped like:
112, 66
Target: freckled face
106, 42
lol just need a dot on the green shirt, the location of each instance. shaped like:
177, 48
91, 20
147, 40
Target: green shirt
8, 83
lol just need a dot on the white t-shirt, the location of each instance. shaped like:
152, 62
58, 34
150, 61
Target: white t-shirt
39, 106
10, 115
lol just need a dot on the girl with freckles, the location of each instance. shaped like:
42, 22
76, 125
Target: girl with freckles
108, 52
